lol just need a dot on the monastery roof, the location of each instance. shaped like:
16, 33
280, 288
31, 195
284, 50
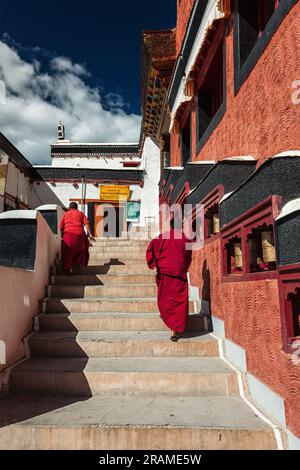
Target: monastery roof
95, 149
49, 173
158, 58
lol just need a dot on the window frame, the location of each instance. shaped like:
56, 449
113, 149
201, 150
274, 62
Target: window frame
289, 283
264, 212
213, 198
220, 37
186, 121
241, 73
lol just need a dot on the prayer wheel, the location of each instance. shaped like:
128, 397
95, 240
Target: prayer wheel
216, 223
238, 255
268, 247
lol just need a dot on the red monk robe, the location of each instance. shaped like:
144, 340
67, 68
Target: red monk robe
75, 243
169, 255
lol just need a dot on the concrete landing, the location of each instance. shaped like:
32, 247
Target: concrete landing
130, 423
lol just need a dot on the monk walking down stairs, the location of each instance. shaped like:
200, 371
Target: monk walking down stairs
170, 256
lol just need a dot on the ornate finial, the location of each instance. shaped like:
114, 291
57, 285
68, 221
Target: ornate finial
61, 135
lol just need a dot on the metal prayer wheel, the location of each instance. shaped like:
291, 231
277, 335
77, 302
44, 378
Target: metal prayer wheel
216, 223
238, 255
268, 247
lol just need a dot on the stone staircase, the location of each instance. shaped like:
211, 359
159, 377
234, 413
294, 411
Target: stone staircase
103, 374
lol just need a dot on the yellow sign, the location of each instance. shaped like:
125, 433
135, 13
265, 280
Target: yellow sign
114, 193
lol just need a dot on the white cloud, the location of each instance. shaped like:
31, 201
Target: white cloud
63, 64
37, 101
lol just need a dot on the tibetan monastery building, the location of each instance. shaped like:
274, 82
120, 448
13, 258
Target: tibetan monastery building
116, 185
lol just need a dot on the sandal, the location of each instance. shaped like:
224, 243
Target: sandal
175, 338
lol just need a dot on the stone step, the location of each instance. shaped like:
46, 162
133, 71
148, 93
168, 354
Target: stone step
115, 291
123, 344
104, 304
145, 376
118, 261
110, 322
132, 423
116, 268
118, 255
124, 249
120, 242
105, 279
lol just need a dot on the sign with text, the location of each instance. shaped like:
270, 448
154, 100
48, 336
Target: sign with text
114, 193
133, 211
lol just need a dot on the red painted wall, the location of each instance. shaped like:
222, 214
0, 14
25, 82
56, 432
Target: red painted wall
261, 120
251, 313
184, 8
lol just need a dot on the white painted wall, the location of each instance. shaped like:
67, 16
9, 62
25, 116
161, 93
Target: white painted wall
40, 193
150, 202
62, 193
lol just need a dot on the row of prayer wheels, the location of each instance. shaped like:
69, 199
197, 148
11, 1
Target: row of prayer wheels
268, 250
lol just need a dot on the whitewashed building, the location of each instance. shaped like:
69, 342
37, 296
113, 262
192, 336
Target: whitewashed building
116, 185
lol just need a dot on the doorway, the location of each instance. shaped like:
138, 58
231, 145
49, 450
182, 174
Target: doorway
109, 220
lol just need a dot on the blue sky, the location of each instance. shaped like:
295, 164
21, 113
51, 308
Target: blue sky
85, 52
103, 35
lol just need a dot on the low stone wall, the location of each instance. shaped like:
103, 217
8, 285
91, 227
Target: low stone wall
22, 289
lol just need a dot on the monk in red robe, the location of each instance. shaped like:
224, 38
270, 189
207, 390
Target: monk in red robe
168, 254
75, 243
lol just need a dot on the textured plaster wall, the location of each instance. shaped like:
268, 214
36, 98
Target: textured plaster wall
262, 119
251, 313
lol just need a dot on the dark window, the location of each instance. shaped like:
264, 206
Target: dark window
210, 93
253, 15
186, 142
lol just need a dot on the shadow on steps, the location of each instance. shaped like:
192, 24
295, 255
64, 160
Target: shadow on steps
43, 375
